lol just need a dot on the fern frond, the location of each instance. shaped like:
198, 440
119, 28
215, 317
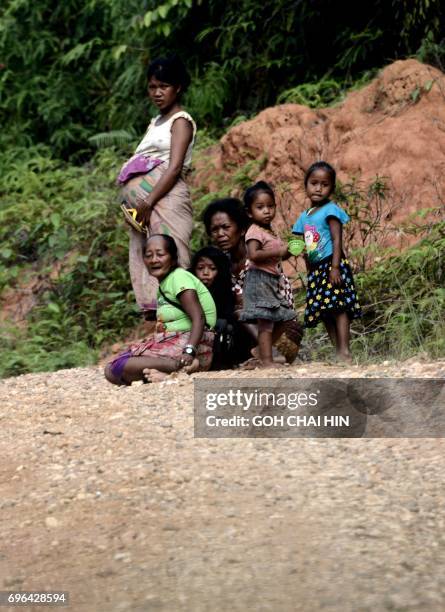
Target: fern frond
111, 139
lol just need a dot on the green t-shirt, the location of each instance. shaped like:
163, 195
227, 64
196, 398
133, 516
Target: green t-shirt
175, 283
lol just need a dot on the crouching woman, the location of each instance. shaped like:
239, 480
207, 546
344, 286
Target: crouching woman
186, 315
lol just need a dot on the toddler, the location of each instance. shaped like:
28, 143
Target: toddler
263, 299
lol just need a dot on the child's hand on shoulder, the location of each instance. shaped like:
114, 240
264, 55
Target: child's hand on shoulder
335, 276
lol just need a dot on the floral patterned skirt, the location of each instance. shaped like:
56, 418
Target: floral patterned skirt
324, 300
165, 344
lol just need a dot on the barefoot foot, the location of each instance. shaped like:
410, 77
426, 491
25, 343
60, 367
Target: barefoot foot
250, 364
277, 356
269, 364
344, 357
152, 376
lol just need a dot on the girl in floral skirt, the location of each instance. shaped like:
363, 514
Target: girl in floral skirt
331, 295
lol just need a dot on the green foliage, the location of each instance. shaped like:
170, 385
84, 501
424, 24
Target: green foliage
418, 17
245, 176
365, 204
204, 139
73, 70
404, 303
432, 52
314, 95
61, 223
114, 138
159, 18
357, 47
325, 92
209, 94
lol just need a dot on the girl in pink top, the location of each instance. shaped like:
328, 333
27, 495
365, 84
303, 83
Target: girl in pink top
263, 301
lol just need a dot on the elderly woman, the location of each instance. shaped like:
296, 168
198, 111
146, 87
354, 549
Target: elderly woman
226, 224
186, 313
156, 199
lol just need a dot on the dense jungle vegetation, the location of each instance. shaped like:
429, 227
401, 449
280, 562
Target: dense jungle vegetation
73, 103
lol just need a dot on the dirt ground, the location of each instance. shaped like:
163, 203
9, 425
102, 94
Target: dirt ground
106, 494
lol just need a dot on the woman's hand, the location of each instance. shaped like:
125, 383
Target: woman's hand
144, 213
182, 134
185, 360
335, 276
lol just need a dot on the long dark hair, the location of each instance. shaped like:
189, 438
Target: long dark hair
221, 288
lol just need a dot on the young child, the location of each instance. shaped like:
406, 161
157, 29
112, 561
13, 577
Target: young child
263, 301
212, 267
331, 295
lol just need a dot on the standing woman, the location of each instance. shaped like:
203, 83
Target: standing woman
156, 199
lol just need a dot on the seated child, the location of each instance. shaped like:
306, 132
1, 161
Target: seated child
212, 267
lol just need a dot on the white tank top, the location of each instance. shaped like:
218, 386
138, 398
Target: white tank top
157, 139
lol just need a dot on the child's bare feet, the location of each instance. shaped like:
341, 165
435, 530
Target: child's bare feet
344, 357
152, 376
277, 356
269, 364
250, 364
253, 363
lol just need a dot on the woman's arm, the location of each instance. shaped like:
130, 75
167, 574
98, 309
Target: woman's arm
336, 234
256, 254
182, 134
190, 303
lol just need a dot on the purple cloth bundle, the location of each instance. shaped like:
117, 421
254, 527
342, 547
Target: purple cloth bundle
137, 164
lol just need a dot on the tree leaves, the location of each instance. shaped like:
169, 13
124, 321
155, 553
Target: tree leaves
72, 70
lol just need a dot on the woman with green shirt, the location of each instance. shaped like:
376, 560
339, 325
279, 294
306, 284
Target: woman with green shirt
185, 315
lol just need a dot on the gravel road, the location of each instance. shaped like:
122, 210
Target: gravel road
105, 493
